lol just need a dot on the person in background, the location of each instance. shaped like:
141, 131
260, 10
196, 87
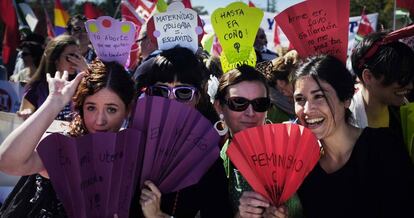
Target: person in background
241, 101
33, 38
178, 74
31, 54
61, 54
147, 49
385, 72
76, 28
279, 73
260, 47
361, 172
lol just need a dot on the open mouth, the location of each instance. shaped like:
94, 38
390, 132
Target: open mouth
314, 122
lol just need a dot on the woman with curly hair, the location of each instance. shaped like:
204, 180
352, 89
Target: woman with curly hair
102, 100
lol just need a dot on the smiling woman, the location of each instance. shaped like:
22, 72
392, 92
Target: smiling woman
242, 100
356, 164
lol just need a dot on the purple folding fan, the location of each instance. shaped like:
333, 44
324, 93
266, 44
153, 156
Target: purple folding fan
181, 144
93, 175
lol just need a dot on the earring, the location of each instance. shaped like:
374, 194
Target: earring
220, 126
268, 121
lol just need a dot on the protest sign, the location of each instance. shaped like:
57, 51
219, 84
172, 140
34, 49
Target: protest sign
236, 27
177, 26
317, 27
111, 39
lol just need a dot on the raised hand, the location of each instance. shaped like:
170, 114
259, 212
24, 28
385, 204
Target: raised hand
79, 62
60, 88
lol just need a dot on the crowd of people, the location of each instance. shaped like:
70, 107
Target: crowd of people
364, 168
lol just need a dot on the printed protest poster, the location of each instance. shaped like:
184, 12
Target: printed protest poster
236, 27
317, 27
111, 39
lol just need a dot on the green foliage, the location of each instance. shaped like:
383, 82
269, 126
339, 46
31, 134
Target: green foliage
383, 7
200, 10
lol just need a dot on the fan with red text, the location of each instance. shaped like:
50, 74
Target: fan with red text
274, 158
181, 144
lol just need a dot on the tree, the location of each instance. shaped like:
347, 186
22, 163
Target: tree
200, 10
385, 9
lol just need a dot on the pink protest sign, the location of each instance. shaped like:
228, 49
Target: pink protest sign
317, 27
111, 39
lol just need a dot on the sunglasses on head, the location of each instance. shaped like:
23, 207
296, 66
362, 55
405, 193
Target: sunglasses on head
181, 93
78, 29
241, 104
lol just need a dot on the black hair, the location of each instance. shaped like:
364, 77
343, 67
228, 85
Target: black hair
393, 61
331, 70
176, 64
72, 20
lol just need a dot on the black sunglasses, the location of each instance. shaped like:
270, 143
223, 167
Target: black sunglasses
181, 93
241, 104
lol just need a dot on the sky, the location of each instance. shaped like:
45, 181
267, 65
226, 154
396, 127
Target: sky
211, 5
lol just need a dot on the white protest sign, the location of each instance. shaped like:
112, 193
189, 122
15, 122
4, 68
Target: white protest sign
177, 26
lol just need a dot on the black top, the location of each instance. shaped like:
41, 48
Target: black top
377, 181
33, 196
209, 196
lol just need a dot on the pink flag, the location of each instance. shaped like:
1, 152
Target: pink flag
317, 27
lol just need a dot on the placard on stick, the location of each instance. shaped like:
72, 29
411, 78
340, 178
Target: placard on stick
177, 26
111, 39
317, 27
236, 27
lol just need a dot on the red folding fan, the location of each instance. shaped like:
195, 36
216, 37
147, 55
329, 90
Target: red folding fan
93, 175
181, 144
274, 159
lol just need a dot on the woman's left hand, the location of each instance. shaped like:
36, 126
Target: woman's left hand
150, 200
79, 62
276, 212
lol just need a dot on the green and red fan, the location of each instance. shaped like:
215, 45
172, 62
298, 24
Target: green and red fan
274, 158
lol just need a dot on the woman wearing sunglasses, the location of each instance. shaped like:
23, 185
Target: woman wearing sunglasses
177, 74
241, 101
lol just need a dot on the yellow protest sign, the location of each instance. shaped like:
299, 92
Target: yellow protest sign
236, 26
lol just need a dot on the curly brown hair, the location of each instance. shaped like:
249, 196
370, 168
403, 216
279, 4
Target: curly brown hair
101, 75
280, 68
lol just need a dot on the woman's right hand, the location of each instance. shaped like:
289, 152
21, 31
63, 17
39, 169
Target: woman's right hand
276, 212
60, 88
252, 205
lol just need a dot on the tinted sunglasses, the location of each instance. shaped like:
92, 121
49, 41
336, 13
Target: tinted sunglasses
241, 104
181, 93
